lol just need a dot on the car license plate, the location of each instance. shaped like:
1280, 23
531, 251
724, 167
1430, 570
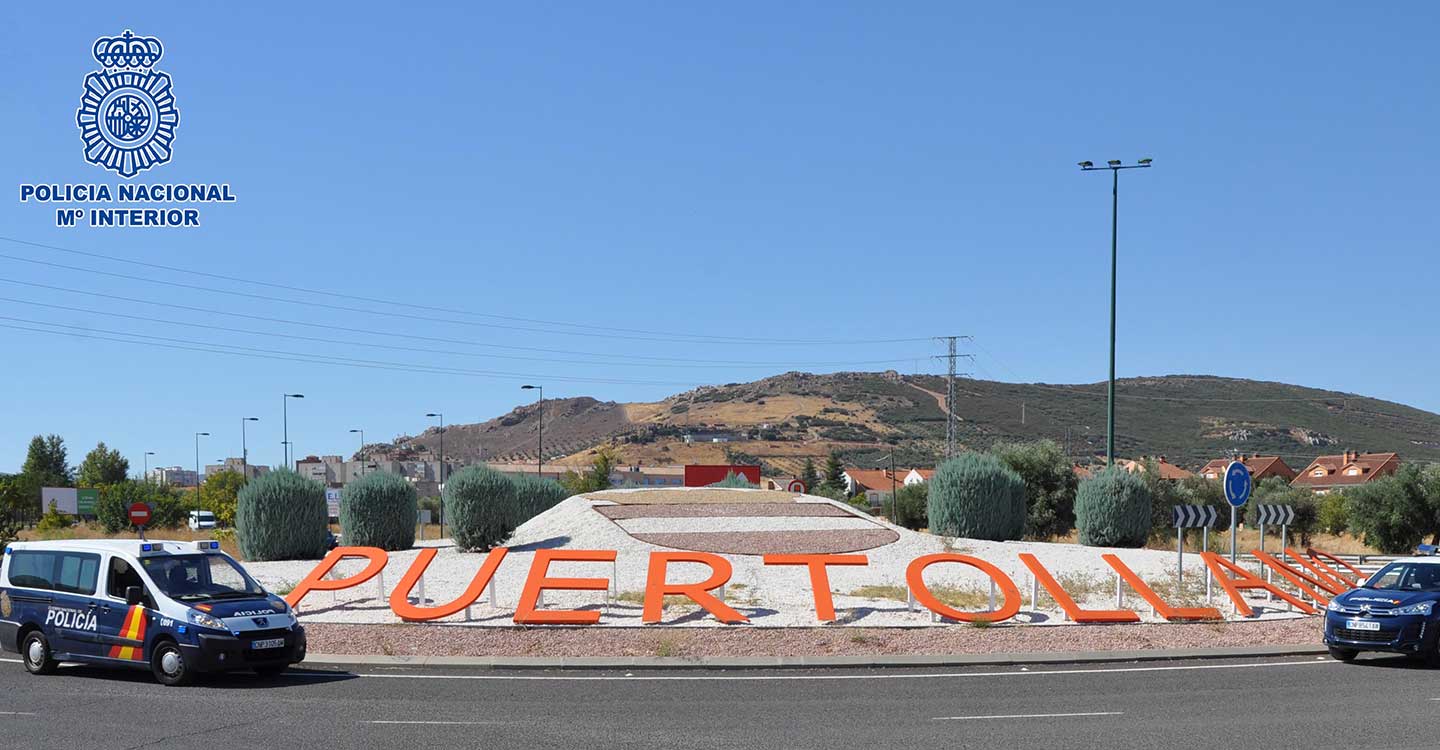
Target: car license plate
1362, 625
268, 643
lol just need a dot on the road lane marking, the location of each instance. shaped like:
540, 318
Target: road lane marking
17, 713
797, 677
437, 723
1028, 716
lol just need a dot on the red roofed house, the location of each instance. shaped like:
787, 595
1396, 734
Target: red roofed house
1348, 469
1167, 470
1261, 467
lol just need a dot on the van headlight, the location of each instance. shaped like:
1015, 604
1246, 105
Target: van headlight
1423, 609
206, 621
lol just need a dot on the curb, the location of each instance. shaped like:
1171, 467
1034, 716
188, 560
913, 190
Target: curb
809, 662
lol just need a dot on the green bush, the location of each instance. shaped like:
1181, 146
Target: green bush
735, 480
1050, 483
54, 520
378, 510
1393, 513
537, 495
282, 516
977, 497
911, 508
482, 507
1332, 516
1112, 509
167, 505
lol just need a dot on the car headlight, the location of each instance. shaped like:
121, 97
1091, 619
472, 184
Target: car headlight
1423, 609
278, 604
1335, 606
206, 621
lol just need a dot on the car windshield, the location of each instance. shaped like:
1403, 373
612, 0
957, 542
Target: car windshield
1405, 576
189, 578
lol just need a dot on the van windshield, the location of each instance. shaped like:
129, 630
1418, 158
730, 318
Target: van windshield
190, 578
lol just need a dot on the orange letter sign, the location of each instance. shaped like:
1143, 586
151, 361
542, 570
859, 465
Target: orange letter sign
656, 589
819, 576
316, 580
1073, 610
400, 597
915, 577
537, 581
1244, 579
1293, 576
1153, 599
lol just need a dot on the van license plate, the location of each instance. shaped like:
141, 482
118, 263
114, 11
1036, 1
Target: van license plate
280, 642
1351, 624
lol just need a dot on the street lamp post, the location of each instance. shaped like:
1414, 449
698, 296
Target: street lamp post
245, 449
1114, 165
360, 455
894, 492
145, 476
198, 435
285, 422
440, 473
540, 447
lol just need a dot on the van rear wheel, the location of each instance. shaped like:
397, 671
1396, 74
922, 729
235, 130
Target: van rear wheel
167, 663
39, 659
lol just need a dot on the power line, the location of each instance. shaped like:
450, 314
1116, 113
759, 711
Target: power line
137, 338
318, 339
950, 391
587, 330
508, 347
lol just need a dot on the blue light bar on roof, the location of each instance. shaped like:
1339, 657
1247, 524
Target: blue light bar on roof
147, 548
207, 544
1427, 550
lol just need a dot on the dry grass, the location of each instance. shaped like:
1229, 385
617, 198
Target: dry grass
962, 599
670, 602
94, 531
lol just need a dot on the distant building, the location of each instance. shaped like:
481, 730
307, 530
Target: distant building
1168, 471
709, 437
239, 466
175, 476
1261, 467
1348, 469
881, 480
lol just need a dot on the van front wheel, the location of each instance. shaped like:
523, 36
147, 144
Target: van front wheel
37, 655
167, 662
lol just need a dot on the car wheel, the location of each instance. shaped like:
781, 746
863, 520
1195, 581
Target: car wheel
37, 655
1343, 654
167, 663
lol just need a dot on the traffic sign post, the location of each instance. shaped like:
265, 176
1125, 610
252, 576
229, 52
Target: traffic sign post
1189, 517
1237, 491
139, 514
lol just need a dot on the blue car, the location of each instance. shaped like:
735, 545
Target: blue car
1395, 610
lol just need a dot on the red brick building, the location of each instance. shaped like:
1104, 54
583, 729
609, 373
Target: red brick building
1261, 467
1346, 470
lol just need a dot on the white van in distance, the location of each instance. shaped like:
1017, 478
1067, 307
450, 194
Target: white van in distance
201, 520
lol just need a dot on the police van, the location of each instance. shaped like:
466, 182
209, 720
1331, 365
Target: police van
176, 608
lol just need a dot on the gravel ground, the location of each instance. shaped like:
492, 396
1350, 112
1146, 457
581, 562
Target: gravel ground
719, 510
693, 495
772, 542
439, 640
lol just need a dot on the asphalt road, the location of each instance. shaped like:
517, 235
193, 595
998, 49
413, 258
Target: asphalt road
1377, 702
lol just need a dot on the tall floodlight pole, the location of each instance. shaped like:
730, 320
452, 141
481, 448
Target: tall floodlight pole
146, 475
1114, 165
360, 455
198, 435
540, 456
245, 449
440, 474
285, 422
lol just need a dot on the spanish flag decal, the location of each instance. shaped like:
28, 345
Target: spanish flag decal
133, 630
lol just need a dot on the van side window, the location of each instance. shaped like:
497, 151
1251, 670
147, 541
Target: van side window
77, 572
121, 576
32, 569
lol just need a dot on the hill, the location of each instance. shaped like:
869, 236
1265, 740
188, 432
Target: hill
780, 420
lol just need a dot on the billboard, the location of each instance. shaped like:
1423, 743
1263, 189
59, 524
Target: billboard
85, 500
700, 475
64, 498
332, 501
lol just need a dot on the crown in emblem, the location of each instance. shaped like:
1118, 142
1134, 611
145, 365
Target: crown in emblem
128, 51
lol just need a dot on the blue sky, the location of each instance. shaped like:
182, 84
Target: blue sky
797, 171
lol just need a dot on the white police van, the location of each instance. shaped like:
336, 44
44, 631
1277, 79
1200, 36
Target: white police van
177, 608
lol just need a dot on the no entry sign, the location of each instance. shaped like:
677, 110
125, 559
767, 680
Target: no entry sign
139, 514
797, 486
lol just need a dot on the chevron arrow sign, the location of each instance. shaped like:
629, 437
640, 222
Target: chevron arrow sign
1273, 514
1193, 516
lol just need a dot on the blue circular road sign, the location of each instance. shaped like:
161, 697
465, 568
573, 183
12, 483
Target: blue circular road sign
1237, 484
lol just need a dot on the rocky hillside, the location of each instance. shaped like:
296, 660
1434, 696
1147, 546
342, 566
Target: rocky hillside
783, 419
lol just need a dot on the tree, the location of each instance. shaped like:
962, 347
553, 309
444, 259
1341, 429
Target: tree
595, 478
16, 493
912, 506
46, 462
219, 495
1277, 491
834, 474
809, 476
102, 466
1394, 513
1113, 509
975, 496
1050, 484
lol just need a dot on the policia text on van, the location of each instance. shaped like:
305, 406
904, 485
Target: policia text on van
177, 608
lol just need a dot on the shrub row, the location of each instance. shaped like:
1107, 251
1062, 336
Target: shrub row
484, 506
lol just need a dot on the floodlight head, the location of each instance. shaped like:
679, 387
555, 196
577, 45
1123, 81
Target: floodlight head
1113, 162
528, 387
1146, 161
1086, 164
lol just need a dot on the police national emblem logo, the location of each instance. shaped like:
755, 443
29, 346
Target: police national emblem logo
5, 606
127, 116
